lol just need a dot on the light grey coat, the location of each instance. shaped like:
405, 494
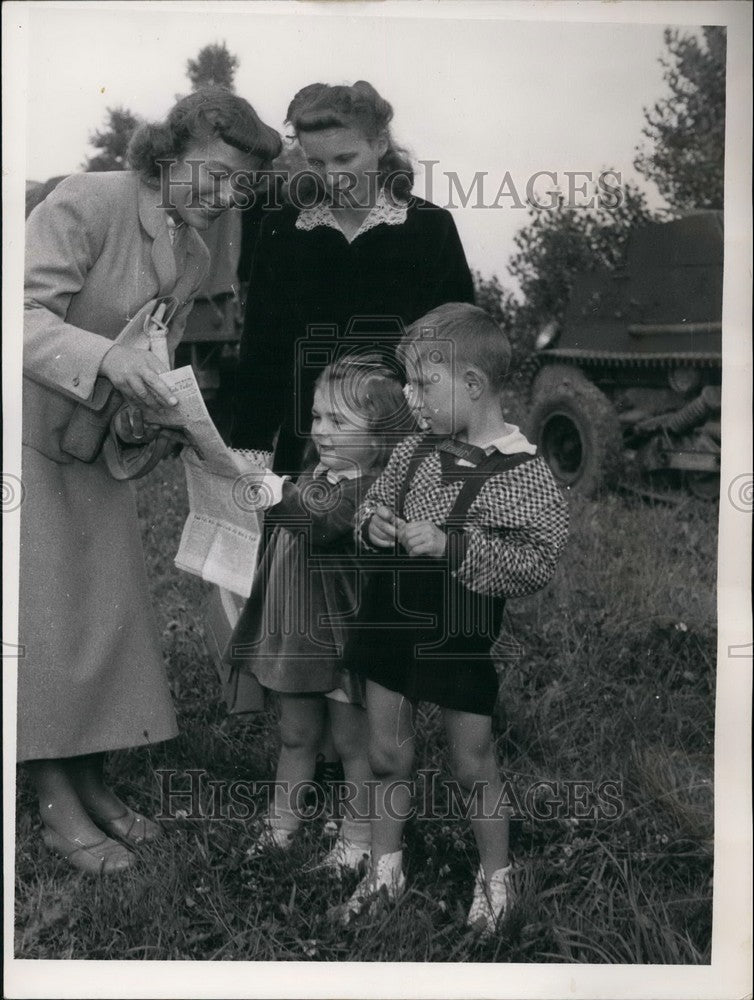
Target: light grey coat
92, 677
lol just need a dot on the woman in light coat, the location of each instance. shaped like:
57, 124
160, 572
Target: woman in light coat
99, 248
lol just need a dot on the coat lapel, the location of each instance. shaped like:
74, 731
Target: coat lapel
152, 219
153, 222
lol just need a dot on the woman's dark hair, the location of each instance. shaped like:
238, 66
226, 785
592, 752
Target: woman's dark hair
320, 106
212, 112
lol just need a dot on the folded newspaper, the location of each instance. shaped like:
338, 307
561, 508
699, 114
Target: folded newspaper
227, 491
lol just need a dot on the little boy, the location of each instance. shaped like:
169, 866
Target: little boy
464, 516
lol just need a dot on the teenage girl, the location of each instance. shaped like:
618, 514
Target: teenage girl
292, 632
354, 250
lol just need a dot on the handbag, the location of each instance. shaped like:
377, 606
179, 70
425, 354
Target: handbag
89, 429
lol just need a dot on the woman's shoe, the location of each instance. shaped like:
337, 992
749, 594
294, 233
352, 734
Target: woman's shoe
490, 905
106, 857
130, 828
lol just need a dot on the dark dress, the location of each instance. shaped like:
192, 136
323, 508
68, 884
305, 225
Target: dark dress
313, 295
292, 632
443, 616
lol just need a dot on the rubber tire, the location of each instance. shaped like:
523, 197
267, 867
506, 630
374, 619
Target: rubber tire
576, 430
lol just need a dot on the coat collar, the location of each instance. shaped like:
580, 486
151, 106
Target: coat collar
153, 221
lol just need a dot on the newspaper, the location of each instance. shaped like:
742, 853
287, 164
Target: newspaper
227, 491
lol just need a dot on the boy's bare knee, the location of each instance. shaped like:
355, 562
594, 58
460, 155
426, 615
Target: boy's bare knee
472, 764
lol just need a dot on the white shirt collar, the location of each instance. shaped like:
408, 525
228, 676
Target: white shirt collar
334, 476
385, 211
512, 442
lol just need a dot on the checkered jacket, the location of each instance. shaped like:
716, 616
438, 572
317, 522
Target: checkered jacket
513, 533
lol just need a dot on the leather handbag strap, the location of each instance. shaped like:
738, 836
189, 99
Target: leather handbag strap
133, 462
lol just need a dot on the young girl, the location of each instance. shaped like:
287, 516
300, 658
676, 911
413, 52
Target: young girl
292, 632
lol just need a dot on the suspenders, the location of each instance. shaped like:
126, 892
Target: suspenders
473, 478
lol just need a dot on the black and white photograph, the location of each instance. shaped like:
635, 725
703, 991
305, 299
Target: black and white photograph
377, 494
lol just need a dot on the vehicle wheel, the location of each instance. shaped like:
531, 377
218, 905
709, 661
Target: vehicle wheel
576, 429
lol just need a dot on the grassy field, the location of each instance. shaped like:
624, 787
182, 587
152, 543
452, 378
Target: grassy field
615, 683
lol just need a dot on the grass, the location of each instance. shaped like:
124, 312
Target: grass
615, 683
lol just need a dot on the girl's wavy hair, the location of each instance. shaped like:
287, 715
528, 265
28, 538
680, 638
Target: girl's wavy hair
209, 113
374, 389
321, 106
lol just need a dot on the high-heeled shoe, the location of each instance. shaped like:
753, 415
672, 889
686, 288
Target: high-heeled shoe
130, 828
105, 857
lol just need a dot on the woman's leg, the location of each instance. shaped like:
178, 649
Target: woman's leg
472, 761
88, 778
67, 827
59, 805
302, 719
348, 724
391, 757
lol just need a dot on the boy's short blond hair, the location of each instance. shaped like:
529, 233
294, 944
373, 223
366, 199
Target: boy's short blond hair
462, 334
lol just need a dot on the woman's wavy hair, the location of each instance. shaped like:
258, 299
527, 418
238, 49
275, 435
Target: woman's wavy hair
212, 112
321, 106
372, 387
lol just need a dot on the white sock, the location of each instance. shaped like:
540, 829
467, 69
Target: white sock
389, 868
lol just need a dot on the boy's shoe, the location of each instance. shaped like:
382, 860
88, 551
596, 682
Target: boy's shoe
345, 855
270, 838
489, 906
385, 883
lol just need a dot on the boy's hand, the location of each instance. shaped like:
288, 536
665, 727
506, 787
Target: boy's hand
384, 527
422, 538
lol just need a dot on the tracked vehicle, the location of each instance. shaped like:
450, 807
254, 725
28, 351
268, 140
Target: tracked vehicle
630, 385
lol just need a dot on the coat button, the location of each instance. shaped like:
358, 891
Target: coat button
76, 380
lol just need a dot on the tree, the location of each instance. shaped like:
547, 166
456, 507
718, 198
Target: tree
558, 244
112, 141
213, 67
686, 130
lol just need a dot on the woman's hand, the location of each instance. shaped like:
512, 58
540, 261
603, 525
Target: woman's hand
136, 375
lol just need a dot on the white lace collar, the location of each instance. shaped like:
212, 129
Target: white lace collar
385, 211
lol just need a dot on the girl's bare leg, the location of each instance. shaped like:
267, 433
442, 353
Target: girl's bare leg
302, 719
349, 727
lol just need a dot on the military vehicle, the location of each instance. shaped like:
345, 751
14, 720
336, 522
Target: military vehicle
629, 386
